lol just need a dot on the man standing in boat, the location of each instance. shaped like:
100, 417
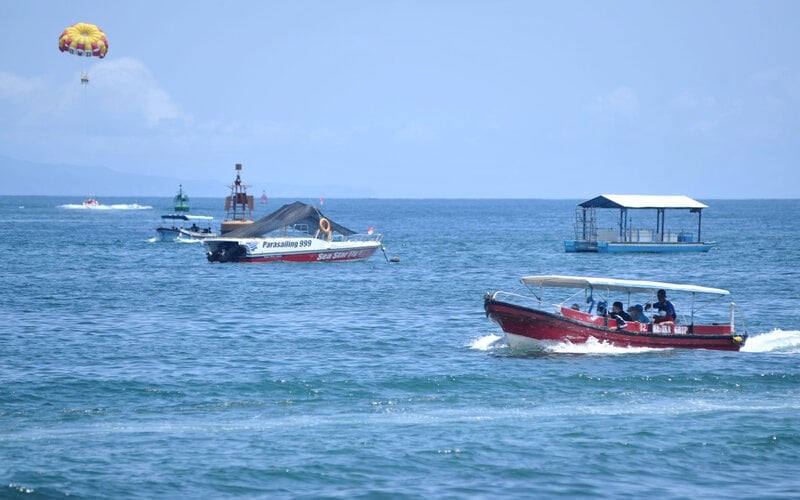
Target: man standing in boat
666, 311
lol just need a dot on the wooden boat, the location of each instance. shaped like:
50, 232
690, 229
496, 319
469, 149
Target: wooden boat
533, 322
626, 237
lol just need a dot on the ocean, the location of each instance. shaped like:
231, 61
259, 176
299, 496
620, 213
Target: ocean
136, 369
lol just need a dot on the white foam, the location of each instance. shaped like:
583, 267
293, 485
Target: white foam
487, 342
594, 346
775, 341
121, 206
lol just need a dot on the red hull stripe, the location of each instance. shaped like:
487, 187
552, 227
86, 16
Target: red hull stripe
327, 256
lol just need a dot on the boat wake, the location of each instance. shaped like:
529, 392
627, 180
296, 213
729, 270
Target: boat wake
488, 343
121, 206
594, 346
493, 342
191, 241
778, 341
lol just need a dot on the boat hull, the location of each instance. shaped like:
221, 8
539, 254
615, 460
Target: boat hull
180, 234
167, 233
525, 326
572, 246
262, 250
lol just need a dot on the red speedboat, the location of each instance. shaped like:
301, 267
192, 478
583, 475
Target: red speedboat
531, 321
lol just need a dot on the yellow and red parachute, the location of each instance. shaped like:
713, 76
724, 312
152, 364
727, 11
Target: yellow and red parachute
84, 39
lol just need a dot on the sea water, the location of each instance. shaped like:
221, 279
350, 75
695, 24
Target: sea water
131, 368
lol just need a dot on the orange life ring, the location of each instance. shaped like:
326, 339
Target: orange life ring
325, 225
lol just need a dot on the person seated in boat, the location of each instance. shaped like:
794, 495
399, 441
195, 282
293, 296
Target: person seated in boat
194, 228
637, 314
618, 313
665, 309
576, 307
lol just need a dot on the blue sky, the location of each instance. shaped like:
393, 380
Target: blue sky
418, 99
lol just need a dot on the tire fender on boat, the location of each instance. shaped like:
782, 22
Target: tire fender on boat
325, 225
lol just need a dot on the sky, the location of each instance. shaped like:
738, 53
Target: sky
417, 99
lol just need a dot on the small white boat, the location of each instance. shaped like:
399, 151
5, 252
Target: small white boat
184, 227
294, 233
91, 203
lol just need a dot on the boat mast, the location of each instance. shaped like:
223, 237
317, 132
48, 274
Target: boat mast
239, 205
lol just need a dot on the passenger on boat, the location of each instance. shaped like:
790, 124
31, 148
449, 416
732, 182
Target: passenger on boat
637, 314
576, 307
666, 311
618, 312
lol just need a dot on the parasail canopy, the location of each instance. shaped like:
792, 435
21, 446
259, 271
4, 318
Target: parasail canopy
83, 39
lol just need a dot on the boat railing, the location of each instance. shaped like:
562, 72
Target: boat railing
611, 235
363, 237
303, 230
515, 298
298, 230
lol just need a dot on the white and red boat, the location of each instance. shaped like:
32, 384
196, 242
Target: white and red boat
534, 322
91, 203
296, 232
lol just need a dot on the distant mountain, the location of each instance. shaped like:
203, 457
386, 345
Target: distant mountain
19, 177
29, 178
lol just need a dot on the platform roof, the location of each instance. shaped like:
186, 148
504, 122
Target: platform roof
642, 201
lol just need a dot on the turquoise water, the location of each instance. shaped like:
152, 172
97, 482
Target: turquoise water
136, 369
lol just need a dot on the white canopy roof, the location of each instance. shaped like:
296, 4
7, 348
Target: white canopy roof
617, 285
642, 201
187, 217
